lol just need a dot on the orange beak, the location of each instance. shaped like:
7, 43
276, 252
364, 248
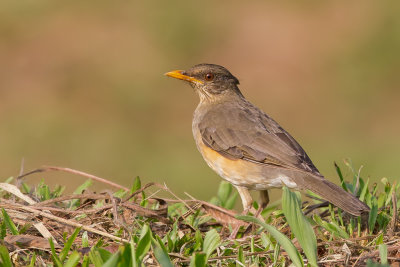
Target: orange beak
178, 75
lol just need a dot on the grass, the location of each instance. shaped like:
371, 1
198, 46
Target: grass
135, 226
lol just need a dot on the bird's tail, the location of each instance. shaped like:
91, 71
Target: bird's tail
335, 195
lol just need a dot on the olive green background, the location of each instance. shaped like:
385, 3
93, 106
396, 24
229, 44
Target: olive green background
82, 85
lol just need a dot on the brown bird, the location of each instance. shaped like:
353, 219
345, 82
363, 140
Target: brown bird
248, 148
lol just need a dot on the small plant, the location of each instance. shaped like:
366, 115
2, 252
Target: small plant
136, 227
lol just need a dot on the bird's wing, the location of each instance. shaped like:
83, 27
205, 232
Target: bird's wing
249, 134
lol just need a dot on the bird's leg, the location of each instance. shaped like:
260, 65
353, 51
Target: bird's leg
247, 202
264, 200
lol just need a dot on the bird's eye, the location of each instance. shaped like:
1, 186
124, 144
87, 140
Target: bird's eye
209, 76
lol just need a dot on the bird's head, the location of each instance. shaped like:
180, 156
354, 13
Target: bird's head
210, 81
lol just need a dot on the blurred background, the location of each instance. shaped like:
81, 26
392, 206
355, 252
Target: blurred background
82, 85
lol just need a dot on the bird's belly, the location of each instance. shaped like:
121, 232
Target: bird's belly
244, 173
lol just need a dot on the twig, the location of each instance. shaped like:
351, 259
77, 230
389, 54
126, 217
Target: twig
68, 170
69, 197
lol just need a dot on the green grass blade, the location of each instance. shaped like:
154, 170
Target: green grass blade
3, 230
339, 172
364, 191
68, 244
54, 255
373, 215
299, 225
73, 259
211, 242
9, 223
277, 252
240, 257
5, 257
33, 260
281, 238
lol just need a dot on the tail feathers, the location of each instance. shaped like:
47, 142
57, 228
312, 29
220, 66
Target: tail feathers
335, 195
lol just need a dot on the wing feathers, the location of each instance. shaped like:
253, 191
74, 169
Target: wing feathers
248, 133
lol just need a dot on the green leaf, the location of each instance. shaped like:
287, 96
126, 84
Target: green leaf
211, 242
199, 240
120, 193
198, 260
5, 257
224, 190
379, 239
44, 191
9, 223
144, 243
133, 253
230, 203
266, 241
9, 180
79, 191
95, 257
104, 254
25, 188
299, 225
281, 238
136, 185
332, 227
68, 244
24, 228
389, 195
383, 253
371, 263
113, 260
85, 261
162, 257
83, 187
161, 244
85, 240
73, 259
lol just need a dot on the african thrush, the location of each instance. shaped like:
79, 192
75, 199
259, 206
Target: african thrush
248, 148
